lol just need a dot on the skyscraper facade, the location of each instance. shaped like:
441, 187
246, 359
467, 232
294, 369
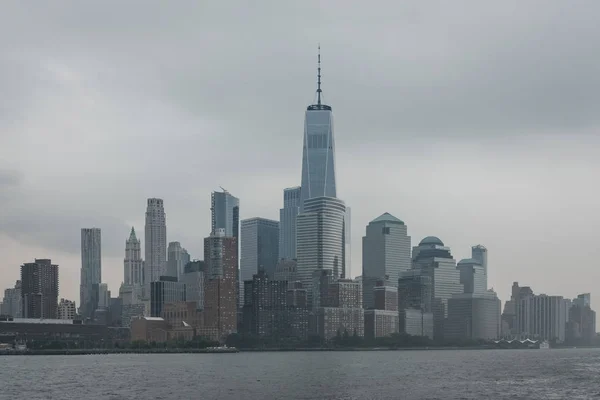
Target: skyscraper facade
320, 239
133, 265
386, 254
287, 228
221, 287
155, 241
39, 288
177, 259
318, 151
472, 276
225, 213
480, 254
164, 291
91, 270
12, 304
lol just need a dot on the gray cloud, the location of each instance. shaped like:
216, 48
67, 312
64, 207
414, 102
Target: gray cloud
474, 121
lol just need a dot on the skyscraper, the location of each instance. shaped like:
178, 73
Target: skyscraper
13, 301
177, 259
133, 263
91, 270
287, 228
318, 151
480, 254
39, 288
386, 254
225, 213
472, 276
221, 287
155, 241
320, 238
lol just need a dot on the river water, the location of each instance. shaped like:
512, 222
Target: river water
444, 374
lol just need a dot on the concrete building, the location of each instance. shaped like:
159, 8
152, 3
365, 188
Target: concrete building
177, 258
581, 326
149, 329
37, 331
225, 213
472, 276
67, 309
130, 312
432, 259
320, 239
164, 291
509, 322
103, 296
265, 308
259, 249
193, 278
339, 308
380, 323
386, 297
386, 253
287, 217
133, 265
542, 317
221, 283
12, 303
416, 322
155, 241
473, 316
91, 270
39, 288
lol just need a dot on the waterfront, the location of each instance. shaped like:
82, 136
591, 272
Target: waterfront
448, 374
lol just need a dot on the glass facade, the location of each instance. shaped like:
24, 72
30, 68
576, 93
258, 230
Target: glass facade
91, 269
287, 217
225, 213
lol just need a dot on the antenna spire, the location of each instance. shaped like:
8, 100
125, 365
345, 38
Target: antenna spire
319, 77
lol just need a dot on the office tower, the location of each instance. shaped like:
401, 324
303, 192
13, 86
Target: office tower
386, 253
473, 316
133, 263
318, 150
510, 325
287, 228
320, 238
91, 270
542, 317
39, 288
434, 260
472, 276
259, 249
165, 290
177, 259
103, 296
193, 278
66, 309
386, 296
221, 286
347, 254
414, 304
225, 213
480, 254
581, 326
155, 244
12, 304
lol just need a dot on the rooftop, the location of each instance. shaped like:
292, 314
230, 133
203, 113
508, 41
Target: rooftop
431, 240
387, 217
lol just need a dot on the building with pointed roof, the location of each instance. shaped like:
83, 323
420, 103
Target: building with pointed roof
133, 266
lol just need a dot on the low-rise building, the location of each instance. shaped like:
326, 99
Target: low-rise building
380, 323
66, 309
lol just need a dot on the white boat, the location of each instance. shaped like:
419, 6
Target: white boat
545, 345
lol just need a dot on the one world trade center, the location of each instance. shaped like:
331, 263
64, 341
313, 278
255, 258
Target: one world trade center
318, 154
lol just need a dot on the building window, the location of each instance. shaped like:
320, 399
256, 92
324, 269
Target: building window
385, 230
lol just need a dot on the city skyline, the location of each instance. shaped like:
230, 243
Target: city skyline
483, 185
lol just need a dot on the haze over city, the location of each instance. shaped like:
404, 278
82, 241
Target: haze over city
444, 117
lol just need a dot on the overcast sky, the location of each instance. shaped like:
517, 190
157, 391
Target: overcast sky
477, 122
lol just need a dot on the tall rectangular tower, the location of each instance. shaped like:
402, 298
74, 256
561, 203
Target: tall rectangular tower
225, 213
39, 282
287, 228
91, 270
155, 241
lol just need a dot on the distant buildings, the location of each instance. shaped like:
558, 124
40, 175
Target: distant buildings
386, 254
286, 270
91, 270
225, 213
66, 309
542, 317
414, 304
320, 238
12, 303
581, 326
473, 317
39, 288
287, 217
155, 241
194, 279
264, 311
